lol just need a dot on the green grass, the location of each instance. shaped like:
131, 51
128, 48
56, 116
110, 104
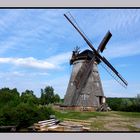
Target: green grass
78, 115
87, 115
128, 114
98, 123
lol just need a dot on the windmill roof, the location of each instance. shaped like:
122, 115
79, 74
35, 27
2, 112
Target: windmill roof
84, 55
87, 53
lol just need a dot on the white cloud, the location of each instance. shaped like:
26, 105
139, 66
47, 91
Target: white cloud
28, 62
50, 63
22, 74
50, 27
59, 58
26, 27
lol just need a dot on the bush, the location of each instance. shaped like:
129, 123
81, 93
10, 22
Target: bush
23, 111
44, 113
8, 116
28, 115
124, 104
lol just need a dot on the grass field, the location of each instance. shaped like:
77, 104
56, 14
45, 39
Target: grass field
104, 121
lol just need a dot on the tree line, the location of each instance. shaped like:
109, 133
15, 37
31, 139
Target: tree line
124, 104
22, 110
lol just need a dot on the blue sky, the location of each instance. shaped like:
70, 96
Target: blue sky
36, 45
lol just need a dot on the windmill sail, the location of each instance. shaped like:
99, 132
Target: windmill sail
104, 42
96, 52
83, 74
114, 72
81, 78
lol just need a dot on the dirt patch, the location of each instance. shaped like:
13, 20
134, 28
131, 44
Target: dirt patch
137, 124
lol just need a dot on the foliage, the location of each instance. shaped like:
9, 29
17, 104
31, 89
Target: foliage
8, 96
26, 114
124, 104
48, 96
56, 98
31, 114
29, 97
22, 111
78, 115
8, 115
25, 109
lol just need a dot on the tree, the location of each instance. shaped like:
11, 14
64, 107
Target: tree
29, 97
23, 110
126, 104
48, 96
27, 114
42, 98
56, 98
9, 96
138, 103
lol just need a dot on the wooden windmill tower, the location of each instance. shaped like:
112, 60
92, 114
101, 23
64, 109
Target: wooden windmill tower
85, 88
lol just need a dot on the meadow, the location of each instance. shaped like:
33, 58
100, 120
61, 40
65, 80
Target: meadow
103, 121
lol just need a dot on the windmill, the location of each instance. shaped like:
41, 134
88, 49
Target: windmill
85, 88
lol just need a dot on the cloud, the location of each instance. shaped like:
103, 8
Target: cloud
22, 74
59, 58
9, 43
19, 27
8, 18
116, 50
124, 25
52, 62
117, 19
48, 38
28, 62
127, 17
